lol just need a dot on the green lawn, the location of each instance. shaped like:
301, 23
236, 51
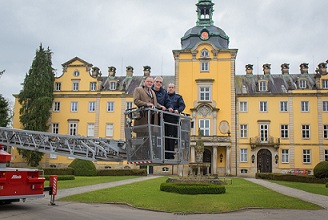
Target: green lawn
315, 188
241, 194
86, 180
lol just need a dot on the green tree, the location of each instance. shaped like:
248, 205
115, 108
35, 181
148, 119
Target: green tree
4, 112
36, 99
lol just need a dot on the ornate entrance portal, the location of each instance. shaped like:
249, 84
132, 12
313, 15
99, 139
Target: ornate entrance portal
264, 161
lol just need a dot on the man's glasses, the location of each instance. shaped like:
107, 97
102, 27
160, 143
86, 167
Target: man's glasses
158, 82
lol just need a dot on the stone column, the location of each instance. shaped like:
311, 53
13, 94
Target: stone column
214, 159
228, 168
192, 154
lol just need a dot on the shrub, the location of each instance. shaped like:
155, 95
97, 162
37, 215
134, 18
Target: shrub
130, 172
321, 170
193, 188
326, 184
83, 167
62, 177
58, 171
290, 177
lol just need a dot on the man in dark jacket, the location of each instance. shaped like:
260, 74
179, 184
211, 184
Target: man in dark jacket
178, 105
161, 94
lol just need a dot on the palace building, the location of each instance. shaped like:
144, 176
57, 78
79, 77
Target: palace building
270, 122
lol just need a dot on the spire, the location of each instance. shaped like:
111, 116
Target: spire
205, 13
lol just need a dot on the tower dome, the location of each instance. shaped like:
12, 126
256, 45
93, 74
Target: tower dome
204, 29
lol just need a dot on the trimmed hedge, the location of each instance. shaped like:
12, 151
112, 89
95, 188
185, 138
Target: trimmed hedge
83, 167
58, 171
62, 177
321, 170
326, 184
128, 172
193, 188
290, 177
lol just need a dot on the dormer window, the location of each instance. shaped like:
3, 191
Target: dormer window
302, 84
204, 53
263, 86
112, 86
325, 83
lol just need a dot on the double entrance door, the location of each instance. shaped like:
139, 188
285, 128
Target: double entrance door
264, 161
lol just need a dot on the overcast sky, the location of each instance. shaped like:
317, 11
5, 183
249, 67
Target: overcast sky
137, 33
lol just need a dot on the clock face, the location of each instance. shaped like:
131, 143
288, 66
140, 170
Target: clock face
204, 35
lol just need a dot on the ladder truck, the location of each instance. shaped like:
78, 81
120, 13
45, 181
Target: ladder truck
149, 148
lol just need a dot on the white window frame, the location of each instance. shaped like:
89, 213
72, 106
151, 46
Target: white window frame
325, 131
58, 86
243, 155
74, 106
325, 83
264, 133
55, 128
72, 128
263, 86
91, 130
243, 131
75, 85
326, 155
112, 85
56, 106
302, 83
205, 126
306, 131
204, 66
205, 93
93, 86
284, 131
306, 156
285, 156
204, 53
110, 106
305, 106
243, 106
129, 105
165, 169
325, 106
283, 106
263, 106
92, 106
109, 130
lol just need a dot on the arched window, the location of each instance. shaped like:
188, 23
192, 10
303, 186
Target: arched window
204, 53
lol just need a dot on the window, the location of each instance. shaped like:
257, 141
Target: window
283, 106
302, 84
325, 106
304, 106
76, 73
165, 169
75, 86
325, 131
55, 128
72, 128
204, 125
91, 130
243, 171
204, 53
57, 86
74, 106
306, 131
109, 130
92, 106
285, 156
263, 86
243, 155
110, 106
204, 93
112, 86
93, 86
243, 131
243, 107
284, 131
56, 106
128, 105
263, 106
264, 132
325, 83
326, 155
306, 156
204, 66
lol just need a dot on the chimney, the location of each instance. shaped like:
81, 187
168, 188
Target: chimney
129, 71
266, 69
304, 68
146, 70
322, 68
249, 69
285, 68
111, 71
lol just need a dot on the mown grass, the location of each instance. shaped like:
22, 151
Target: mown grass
315, 188
240, 195
87, 180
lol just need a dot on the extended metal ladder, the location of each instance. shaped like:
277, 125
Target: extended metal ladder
67, 145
